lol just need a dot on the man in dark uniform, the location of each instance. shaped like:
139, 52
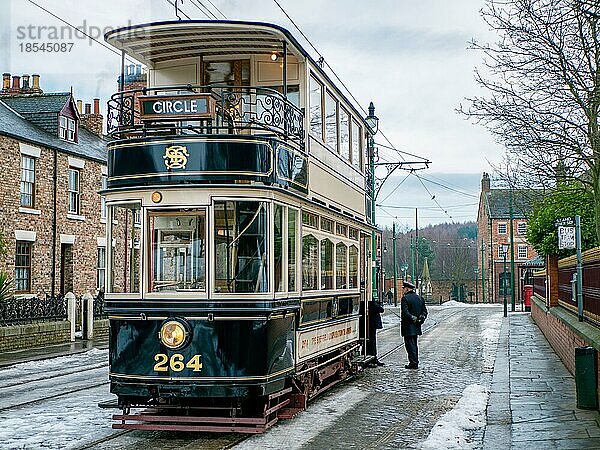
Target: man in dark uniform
414, 313
375, 310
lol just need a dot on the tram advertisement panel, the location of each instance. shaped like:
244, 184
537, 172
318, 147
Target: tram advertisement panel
323, 338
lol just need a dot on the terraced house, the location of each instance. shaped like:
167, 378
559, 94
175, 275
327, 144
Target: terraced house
52, 216
498, 210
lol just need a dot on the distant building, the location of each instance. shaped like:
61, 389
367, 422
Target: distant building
52, 216
493, 225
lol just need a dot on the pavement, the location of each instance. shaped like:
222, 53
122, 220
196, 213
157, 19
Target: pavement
531, 401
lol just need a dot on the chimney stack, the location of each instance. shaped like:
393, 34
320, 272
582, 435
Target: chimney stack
16, 84
25, 89
35, 78
485, 183
5, 82
79, 106
91, 120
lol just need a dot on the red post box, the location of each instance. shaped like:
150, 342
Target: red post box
527, 293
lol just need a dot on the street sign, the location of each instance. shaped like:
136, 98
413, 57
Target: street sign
566, 237
564, 222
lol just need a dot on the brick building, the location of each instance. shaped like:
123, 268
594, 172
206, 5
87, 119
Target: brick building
493, 227
51, 214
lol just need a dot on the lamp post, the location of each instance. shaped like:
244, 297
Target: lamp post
476, 270
373, 125
395, 270
504, 252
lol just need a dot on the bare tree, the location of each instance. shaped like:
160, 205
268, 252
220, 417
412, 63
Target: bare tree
543, 91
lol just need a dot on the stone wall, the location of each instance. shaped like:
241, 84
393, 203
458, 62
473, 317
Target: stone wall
101, 329
18, 337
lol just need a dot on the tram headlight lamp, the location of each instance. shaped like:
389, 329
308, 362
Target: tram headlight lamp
173, 334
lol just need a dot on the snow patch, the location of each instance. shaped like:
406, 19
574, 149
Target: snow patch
455, 304
296, 433
455, 428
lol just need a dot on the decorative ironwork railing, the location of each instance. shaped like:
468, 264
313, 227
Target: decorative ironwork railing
24, 310
99, 312
237, 110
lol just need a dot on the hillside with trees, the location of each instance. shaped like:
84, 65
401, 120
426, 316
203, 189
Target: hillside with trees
450, 249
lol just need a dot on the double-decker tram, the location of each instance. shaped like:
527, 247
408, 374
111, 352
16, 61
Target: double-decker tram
238, 228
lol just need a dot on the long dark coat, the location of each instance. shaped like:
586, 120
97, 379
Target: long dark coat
412, 306
375, 310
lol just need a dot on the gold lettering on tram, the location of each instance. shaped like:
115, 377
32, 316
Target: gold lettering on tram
176, 157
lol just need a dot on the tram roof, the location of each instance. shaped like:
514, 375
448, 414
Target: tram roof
155, 42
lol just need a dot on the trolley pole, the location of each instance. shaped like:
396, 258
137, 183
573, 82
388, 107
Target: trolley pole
395, 269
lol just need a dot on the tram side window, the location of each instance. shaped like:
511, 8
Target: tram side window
125, 255
356, 162
177, 251
331, 122
341, 266
344, 134
241, 239
292, 220
316, 107
353, 266
310, 262
278, 241
326, 264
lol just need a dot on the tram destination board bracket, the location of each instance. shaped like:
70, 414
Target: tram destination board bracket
196, 106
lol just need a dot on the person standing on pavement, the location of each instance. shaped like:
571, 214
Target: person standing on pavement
413, 315
375, 310
390, 296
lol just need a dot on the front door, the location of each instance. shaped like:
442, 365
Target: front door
66, 268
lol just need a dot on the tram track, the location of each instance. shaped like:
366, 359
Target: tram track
425, 330
51, 397
50, 376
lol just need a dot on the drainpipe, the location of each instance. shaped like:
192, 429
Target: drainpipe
55, 181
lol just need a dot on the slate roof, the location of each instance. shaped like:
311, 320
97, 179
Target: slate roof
498, 203
41, 109
15, 125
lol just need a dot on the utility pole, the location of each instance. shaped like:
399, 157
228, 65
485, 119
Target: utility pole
512, 253
412, 257
395, 270
415, 280
482, 272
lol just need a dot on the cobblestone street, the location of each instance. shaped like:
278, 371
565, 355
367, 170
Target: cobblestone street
393, 407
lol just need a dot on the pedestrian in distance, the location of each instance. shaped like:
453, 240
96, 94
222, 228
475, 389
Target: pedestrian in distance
390, 296
413, 315
375, 310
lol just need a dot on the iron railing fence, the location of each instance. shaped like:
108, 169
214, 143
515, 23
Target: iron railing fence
17, 311
99, 312
238, 110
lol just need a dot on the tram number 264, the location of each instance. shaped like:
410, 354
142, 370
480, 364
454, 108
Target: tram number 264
176, 363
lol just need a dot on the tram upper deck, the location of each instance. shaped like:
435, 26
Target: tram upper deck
234, 102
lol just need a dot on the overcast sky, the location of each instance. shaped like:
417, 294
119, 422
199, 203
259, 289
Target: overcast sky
409, 57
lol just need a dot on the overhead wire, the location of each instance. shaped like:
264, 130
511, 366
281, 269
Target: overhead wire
79, 30
324, 61
447, 187
179, 9
433, 197
396, 188
215, 6
202, 8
